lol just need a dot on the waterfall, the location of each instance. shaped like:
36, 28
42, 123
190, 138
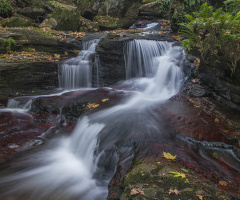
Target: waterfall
139, 57
78, 72
81, 166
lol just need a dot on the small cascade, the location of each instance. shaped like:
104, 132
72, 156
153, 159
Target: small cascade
140, 57
146, 27
81, 166
22, 103
78, 72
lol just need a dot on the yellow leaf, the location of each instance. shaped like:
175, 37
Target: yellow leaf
200, 196
168, 156
177, 174
91, 106
104, 100
216, 120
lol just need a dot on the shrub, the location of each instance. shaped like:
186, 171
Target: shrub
5, 8
216, 34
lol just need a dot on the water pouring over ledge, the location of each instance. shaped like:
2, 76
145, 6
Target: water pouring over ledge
78, 72
81, 166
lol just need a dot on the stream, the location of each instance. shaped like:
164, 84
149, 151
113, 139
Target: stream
80, 165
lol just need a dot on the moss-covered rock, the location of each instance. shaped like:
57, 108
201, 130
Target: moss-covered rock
5, 8
71, 20
67, 19
125, 10
17, 22
88, 26
106, 22
153, 180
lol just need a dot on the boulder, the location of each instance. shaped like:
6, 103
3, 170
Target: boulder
71, 20
35, 13
125, 11
106, 22
50, 23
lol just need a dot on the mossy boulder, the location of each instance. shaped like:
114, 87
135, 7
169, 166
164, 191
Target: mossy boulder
88, 26
17, 22
67, 19
106, 22
5, 8
125, 10
71, 20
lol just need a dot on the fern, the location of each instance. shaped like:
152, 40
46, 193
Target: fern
214, 34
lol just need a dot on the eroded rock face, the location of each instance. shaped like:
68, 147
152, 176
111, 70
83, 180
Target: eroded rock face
224, 84
27, 76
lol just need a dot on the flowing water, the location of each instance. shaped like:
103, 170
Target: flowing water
81, 166
78, 72
73, 169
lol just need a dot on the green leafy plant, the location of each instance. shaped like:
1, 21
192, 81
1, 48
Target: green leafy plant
216, 34
5, 8
232, 6
8, 43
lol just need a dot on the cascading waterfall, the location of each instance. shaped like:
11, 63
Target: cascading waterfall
140, 57
72, 170
77, 72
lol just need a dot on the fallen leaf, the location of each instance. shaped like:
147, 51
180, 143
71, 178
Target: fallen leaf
216, 120
168, 156
223, 183
104, 100
200, 196
177, 174
91, 106
175, 191
184, 170
135, 191
197, 62
196, 80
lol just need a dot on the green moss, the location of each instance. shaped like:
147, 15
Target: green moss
157, 185
88, 26
68, 20
107, 21
71, 20
17, 22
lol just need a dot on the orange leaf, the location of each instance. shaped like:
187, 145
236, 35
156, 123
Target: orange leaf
223, 183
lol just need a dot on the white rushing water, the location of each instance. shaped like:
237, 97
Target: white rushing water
146, 27
78, 72
73, 169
